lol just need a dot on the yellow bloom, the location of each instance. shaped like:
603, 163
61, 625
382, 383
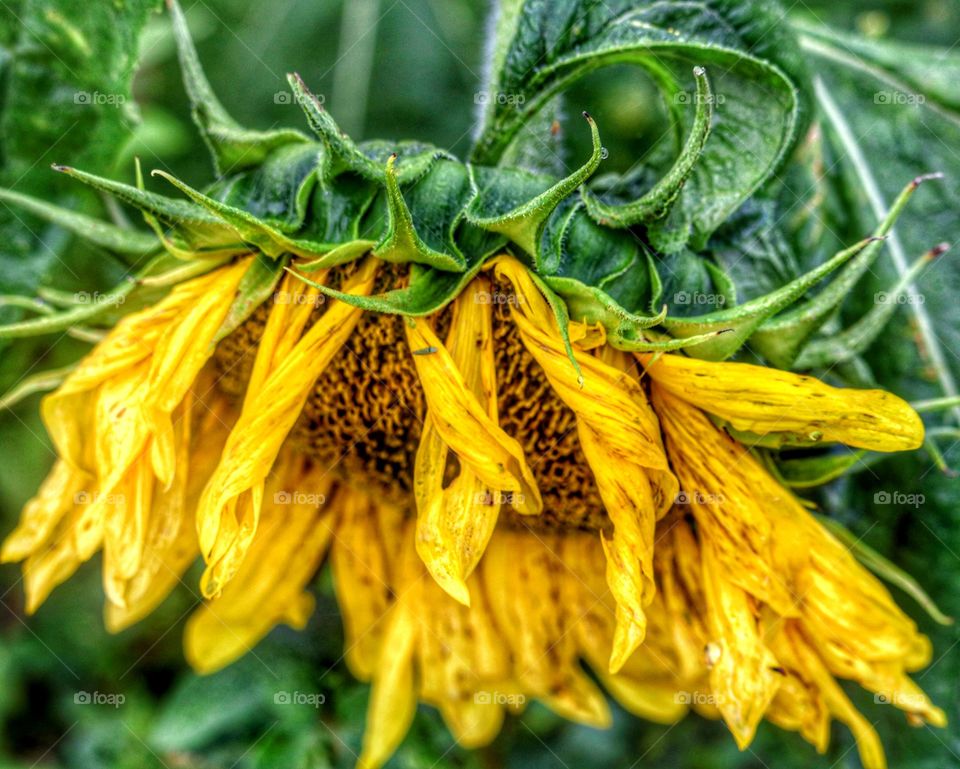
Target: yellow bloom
497, 518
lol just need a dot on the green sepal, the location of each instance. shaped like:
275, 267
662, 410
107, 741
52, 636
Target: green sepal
348, 252
367, 160
428, 289
657, 202
781, 339
402, 243
808, 472
886, 570
41, 382
524, 224
853, 340
746, 318
232, 146
190, 222
112, 238
255, 287
251, 230
278, 191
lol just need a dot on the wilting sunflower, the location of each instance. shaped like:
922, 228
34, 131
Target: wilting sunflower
513, 476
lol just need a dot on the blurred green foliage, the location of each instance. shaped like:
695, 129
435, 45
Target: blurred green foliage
415, 72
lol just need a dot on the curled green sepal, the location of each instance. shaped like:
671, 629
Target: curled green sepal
781, 339
656, 203
190, 222
255, 287
744, 319
886, 570
524, 224
402, 244
112, 238
232, 146
853, 340
251, 230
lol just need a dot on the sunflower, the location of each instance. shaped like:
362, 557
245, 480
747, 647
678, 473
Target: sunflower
508, 497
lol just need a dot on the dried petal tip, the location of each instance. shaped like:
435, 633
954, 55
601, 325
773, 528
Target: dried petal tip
927, 178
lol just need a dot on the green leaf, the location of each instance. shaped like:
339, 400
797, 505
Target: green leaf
757, 106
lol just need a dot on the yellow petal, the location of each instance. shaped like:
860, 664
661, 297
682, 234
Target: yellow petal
540, 627
455, 524
294, 531
743, 676
55, 499
810, 666
266, 420
361, 576
620, 438
736, 503
465, 426
766, 401
393, 699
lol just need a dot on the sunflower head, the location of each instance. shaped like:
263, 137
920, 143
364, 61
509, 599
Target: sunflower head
457, 383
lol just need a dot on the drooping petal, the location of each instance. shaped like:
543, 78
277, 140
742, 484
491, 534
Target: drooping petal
361, 560
465, 426
735, 503
61, 490
537, 625
766, 401
455, 523
171, 539
230, 500
296, 526
620, 437
743, 676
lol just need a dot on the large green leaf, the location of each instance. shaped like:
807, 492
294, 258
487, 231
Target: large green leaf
68, 67
552, 44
